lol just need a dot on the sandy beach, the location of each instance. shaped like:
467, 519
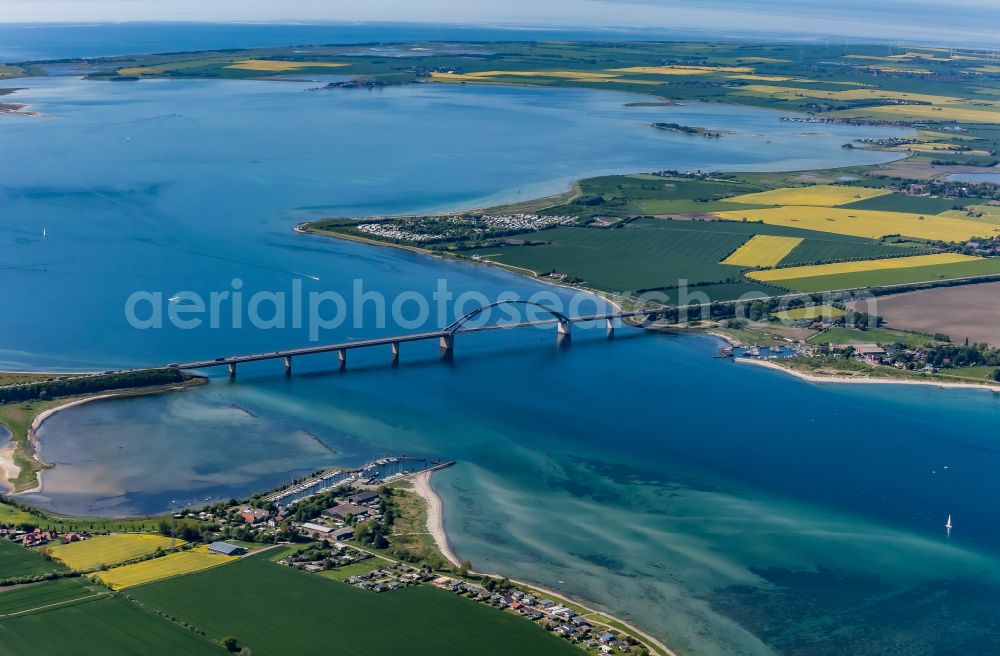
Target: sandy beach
435, 515
8, 470
435, 526
863, 380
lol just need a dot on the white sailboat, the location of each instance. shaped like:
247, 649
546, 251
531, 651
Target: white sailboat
947, 525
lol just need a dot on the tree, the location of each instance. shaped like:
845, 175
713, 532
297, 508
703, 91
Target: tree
231, 644
463, 569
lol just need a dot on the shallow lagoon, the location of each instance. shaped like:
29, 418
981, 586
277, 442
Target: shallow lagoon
729, 509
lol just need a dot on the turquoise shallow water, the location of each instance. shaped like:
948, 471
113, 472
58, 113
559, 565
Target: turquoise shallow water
729, 509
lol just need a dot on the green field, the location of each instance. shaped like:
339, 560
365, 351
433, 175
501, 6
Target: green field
347, 571
628, 195
654, 253
838, 335
814, 251
98, 627
278, 610
906, 203
973, 374
15, 561
987, 266
42, 596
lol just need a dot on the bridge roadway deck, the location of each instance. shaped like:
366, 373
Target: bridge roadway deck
396, 339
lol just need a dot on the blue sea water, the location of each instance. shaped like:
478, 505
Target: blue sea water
37, 41
728, 509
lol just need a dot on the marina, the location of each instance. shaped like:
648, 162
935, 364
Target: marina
372, 474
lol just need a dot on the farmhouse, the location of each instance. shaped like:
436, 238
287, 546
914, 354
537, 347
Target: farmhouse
226, 549
254, 515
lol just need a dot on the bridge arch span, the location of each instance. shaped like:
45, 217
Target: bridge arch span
456, 325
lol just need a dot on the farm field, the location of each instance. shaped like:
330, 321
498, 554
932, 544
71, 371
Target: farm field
822, 195
839, 335
646, 256
905, 203
865, 223
932, 112
624, 195
281, 66
43, 596
900, 276
109, 549
251, 597
15, 560
812, 251
98, 627
652, 253
175, 564
811, 271
967, 311
763, 251
811, 312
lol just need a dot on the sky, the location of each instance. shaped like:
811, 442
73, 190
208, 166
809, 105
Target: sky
958, 22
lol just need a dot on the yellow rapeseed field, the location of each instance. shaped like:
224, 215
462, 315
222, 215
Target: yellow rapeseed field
861, 265
109, 549
763, 78
810, 312
495, 76
850, 94
872, 224
824, 195
683, 70
896, 112
763, 251
269, 65
175, 564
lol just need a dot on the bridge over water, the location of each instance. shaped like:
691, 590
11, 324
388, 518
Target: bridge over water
445, 337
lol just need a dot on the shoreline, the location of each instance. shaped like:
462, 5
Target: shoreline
31, 445
865, 380
435, 515
435, 526
304, 229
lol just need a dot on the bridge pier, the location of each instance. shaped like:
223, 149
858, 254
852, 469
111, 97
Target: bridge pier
395, 352
565, 328
447, 344
611, 327
288, 365
232, 370
342, 357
